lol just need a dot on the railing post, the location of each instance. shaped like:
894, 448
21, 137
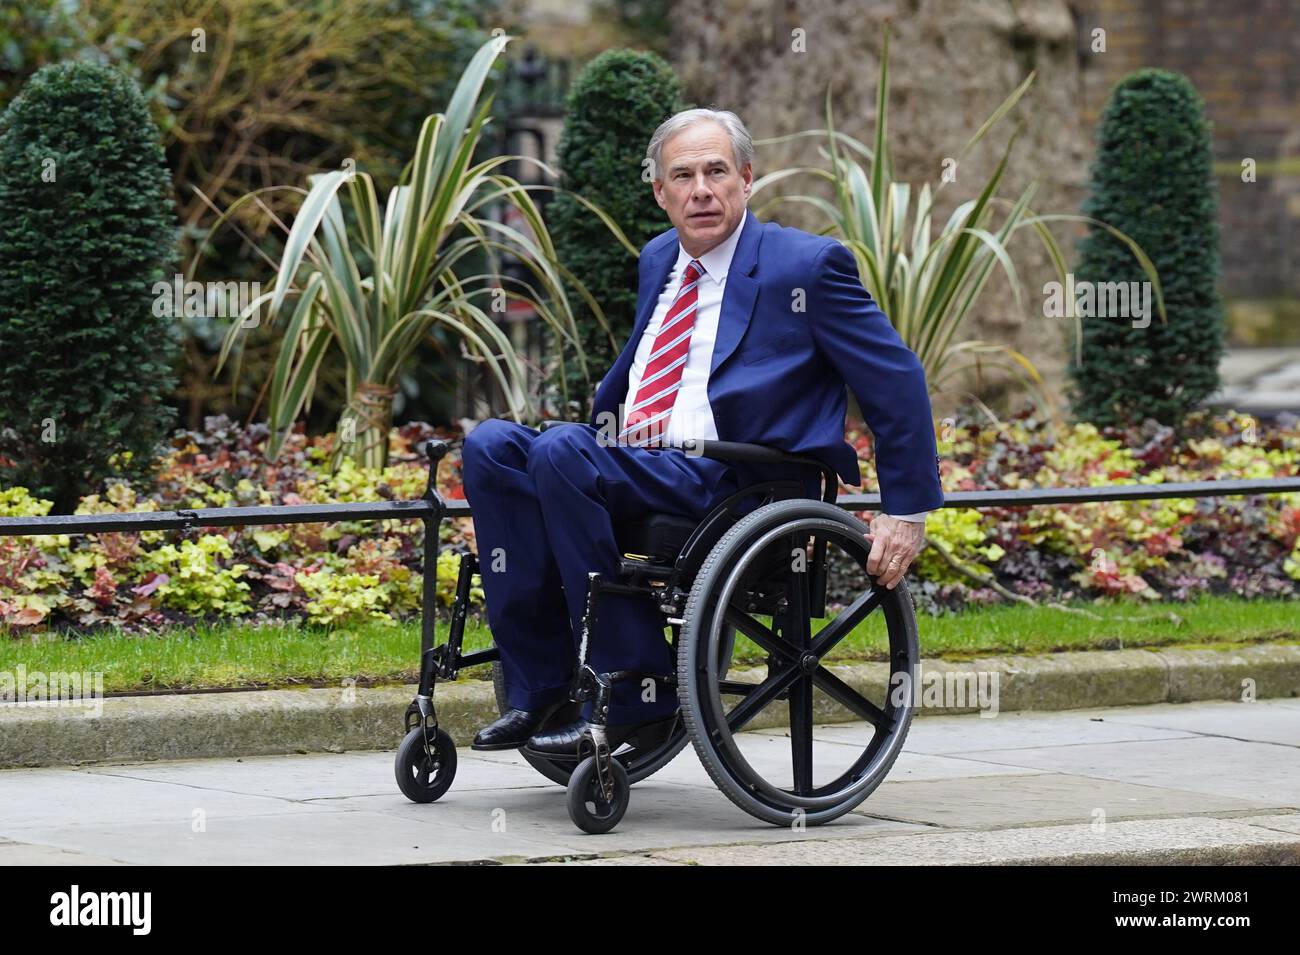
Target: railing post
435, 451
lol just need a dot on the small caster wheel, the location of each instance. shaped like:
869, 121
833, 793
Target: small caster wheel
420, 777
588, 808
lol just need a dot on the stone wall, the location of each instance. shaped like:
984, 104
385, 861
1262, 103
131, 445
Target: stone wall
951, 63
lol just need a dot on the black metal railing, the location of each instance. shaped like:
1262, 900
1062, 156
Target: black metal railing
424, 508
432, 508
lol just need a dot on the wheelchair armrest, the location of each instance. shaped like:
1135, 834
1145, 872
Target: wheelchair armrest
738, 451
763, 454
553, 422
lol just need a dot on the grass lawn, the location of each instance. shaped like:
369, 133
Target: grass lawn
236, 655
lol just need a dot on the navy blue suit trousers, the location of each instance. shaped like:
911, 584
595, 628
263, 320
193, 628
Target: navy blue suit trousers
545, 507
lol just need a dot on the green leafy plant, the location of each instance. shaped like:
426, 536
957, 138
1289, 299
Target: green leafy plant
927, 283
374, 284
1152, 177
1176, 548
197, 581
34, 33
336, 598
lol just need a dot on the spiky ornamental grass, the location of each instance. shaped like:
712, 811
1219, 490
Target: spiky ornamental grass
375, 285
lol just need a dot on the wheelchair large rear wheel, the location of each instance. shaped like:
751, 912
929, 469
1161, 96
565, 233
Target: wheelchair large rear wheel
640, 762
759, 572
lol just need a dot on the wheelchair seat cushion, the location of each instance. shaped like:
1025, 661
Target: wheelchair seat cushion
657, 535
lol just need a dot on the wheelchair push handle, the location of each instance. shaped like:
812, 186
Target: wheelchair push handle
435, 449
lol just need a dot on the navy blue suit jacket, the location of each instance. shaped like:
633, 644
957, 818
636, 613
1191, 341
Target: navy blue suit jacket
779, 372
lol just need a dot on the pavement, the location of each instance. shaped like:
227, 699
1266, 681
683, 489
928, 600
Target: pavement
1262, 381
1212, 782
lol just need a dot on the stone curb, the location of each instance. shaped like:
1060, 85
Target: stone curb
273, 722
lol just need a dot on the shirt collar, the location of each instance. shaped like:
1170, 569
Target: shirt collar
716, 261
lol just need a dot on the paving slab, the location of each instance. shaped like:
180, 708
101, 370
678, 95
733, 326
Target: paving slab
317, 777
661, 815
1278, 722
993, 801
1261, 773
1281, 822
955, 735
75, 799
21, 853
318, 838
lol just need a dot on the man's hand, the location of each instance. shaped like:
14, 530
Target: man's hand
894, 545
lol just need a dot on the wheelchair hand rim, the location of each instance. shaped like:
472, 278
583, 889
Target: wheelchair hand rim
865, 768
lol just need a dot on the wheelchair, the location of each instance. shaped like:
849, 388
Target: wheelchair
752, 577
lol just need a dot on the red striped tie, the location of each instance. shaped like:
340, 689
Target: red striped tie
647, 420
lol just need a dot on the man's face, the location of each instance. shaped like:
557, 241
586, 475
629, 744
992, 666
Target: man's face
700, 188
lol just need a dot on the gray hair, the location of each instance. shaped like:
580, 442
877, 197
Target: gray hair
742, 145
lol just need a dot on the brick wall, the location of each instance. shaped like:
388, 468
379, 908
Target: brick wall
1244, 58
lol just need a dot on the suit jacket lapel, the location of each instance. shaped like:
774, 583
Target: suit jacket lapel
660, 266
740, 294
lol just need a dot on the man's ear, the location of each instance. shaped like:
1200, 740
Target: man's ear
658, 188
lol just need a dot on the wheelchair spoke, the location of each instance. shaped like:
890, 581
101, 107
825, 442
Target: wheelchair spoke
761, 635
796, 627
844, 694
761, 695
839, 628
801, 735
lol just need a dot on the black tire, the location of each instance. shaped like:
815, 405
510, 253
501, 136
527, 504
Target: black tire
420, 778
639, 763
743, 560
588, 809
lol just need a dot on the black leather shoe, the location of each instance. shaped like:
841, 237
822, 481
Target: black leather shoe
563, 741
514, 727
511, 731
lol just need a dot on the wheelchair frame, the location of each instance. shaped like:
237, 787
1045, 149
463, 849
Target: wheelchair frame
598, 786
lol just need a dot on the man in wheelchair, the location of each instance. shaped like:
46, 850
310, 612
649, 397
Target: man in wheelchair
746, 331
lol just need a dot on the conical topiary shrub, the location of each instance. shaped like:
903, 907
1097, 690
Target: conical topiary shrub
86, 229
1152, 179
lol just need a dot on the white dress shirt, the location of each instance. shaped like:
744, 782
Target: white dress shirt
692, 416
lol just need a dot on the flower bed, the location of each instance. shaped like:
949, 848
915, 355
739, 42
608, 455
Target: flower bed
349, 571
322, 573
1175, 549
